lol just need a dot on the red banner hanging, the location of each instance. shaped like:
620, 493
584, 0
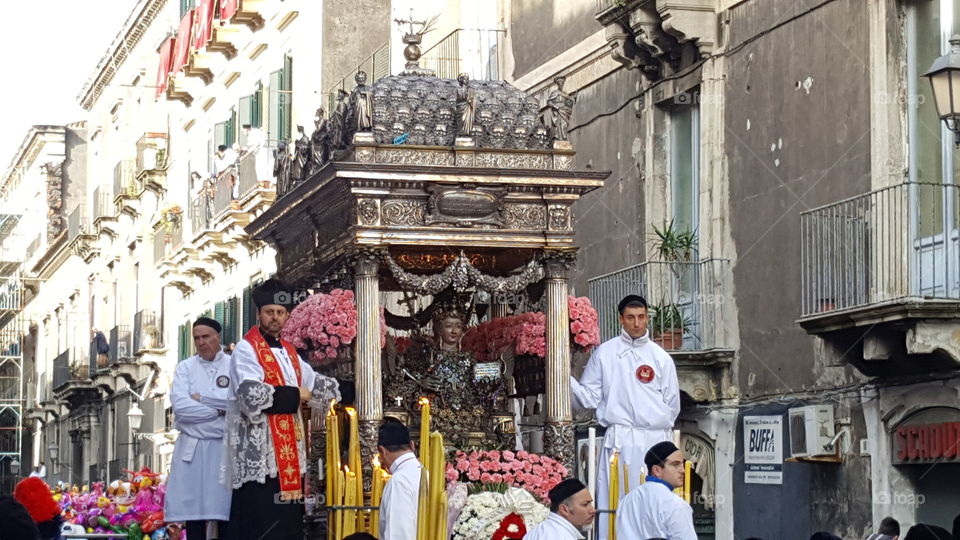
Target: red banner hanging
228, 8
163, 70
181, 51
203, 24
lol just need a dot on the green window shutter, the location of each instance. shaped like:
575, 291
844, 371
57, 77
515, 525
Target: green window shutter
287, 99
230, 320
218, 311
256, 107
247, 309
273, 119
231, 131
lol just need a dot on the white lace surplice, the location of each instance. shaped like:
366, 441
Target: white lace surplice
249, 446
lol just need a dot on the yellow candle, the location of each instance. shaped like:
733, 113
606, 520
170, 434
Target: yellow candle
614, 477
626, 478
331, 458
424, 431
643, 478
437, 483
376, 493
442, 517
353, 454
686, 481
422, 507
338, 501
350, 499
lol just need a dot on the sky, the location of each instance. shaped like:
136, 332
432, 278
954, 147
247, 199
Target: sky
62, 42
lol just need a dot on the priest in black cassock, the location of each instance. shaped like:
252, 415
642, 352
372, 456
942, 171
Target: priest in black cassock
265, 430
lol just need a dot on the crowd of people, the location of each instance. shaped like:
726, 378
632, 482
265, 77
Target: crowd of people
238, 463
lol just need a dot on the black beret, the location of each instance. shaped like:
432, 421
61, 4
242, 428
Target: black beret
658, 454
207, 321
393, 434
16, 520
630, 299
564, 490
273, 292
924, 531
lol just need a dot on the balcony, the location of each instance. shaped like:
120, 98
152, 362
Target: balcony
147, 334
81, 236
125, 183
67, 371
376, 65
121, 344
152, 162
475, 52
689, 305
167, 239
224, 198
875, 266
201, 214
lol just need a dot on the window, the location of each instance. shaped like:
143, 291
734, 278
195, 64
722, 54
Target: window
185, 6
251, 109
249, 316
225, 133
281, 103
932, 157
685, 167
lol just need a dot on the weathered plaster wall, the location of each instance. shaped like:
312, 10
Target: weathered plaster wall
352, 30
542, 29
797, 136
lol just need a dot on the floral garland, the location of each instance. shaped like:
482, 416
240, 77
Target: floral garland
461, 274
527, 332
495, 470
326, 324
488, 515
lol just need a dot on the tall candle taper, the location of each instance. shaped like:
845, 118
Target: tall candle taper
353, 450
686, 481
592, 462
614, 477
424, 432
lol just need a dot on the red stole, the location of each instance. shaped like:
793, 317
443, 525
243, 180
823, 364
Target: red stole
284, 429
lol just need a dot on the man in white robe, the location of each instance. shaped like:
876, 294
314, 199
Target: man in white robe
398, 506
571, 509
653, 510
256, 143
632, 383
265, 431
201, 387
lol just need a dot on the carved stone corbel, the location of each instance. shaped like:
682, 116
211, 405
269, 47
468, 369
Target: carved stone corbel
691, 20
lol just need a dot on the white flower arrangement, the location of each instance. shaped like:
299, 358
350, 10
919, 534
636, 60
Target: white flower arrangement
483, 512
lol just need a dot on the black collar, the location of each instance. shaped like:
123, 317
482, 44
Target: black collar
273, 342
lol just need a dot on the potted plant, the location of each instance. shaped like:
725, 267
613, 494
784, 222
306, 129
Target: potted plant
673, 244
667, 325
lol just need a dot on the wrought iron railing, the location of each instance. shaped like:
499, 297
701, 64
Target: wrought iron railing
103, 206
120, 344
78, 223
688, 301
147, 333
64, 372
475, 52
167, 239
376, 65
95, 364
151, 151
125, 178
896, 244
224, 192
247, 172
201, 213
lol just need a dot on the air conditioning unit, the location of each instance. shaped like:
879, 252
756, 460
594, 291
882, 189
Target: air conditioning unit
811, 430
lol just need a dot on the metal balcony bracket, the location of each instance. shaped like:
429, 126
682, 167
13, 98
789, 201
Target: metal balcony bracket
691, 20
931, 337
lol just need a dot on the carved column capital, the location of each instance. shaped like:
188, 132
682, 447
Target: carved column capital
365, 262
556, 263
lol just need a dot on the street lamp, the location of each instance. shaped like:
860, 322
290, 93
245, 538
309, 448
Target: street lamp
53, 450
944, 77
15, 467
134, 417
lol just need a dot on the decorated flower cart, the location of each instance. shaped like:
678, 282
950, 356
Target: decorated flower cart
451, 201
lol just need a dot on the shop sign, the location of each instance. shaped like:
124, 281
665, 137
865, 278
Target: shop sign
763, 449
927, 443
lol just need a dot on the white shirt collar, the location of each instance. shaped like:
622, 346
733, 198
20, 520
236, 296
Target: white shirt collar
634, 343
562, 523
401, 460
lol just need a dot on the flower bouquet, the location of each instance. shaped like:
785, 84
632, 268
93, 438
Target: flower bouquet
326, 324
499, 516
492, 470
